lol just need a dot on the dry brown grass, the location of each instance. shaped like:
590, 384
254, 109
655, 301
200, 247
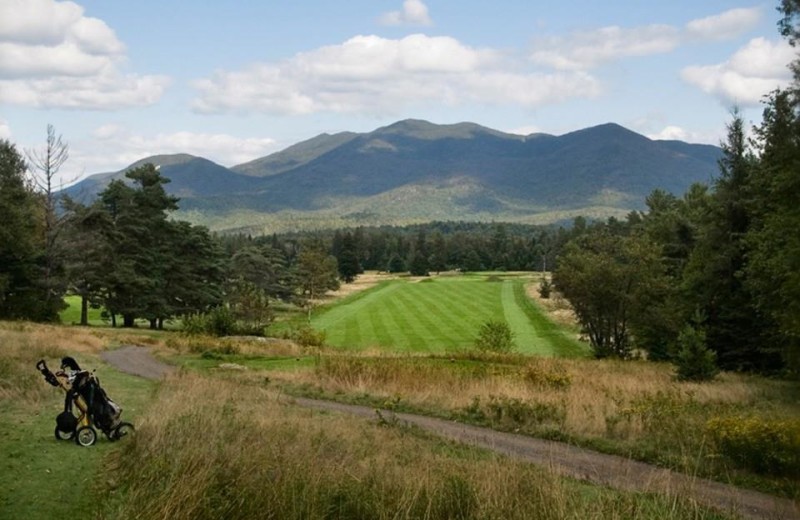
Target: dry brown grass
214, 448
599, 399
23, 344
556, 307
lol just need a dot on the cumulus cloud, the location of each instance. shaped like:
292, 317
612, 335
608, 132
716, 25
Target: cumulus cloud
583, 50
727, 25
414, 12
753, 71
113, 147
371, 74
52, 55
677, 133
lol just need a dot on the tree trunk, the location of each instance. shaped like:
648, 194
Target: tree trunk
84, 310
153, 323
160, 323
113, 320
127, 320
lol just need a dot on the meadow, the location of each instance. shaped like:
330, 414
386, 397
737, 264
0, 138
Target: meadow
442, 315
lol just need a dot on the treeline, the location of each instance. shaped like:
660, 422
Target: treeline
425, 248
712, 277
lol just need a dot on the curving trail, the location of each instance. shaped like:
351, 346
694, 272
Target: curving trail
558, 457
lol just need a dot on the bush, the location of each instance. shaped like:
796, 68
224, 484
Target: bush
695, 362
219, 321
305, 336
545, 288
495, 336
760, 445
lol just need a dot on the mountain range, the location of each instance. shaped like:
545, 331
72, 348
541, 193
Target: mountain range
415, 171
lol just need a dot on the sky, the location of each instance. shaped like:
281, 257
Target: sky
233, 81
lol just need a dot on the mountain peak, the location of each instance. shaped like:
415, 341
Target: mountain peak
421, 129
164, 160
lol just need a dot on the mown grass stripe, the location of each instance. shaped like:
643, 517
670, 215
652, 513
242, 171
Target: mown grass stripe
403, 330
435, 332
448, 314
563, 344
526, 337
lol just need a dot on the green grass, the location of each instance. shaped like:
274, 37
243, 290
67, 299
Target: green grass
42, 478
439, 316
72, 314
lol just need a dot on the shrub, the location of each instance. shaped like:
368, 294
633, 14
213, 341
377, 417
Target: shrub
305, 336
695, 362
219, 321
495, 336
543, 377
545, 288
760, 445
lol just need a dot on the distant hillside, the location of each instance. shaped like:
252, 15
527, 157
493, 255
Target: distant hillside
416, 171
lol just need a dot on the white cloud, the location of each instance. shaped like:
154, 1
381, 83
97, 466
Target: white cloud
370, 74
112, 147
103, 92
753, 71
727, 25
525, 130
677, 133
583, 50
51, 55
414, 12
5, 130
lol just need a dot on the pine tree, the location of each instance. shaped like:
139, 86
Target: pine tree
714, 279
349, 266
20, 295
695, 361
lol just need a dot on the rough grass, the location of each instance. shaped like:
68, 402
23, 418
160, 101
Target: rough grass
214, 448
442, 315
42, 478
632, 408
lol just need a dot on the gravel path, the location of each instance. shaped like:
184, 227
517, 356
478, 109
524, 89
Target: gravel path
561, 458
136, 360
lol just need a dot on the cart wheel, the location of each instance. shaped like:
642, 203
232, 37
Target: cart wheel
85, 436
64, 436
123, 429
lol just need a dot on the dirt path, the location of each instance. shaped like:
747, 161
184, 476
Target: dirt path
137, 361
561, 458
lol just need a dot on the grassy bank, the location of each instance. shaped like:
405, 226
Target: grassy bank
218, 448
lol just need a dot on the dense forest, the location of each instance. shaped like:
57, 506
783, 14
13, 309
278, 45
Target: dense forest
712, 276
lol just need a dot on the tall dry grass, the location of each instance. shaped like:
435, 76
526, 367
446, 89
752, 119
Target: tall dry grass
23, 344
633, 408
216, 448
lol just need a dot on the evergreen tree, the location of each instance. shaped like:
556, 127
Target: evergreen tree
714, 279
438, 257
90, 255
349, 266
20, 295
694, 361
396, 264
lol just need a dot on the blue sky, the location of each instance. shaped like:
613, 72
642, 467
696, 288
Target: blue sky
233, 81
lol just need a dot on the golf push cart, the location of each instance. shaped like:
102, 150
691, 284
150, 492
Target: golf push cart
83, 391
